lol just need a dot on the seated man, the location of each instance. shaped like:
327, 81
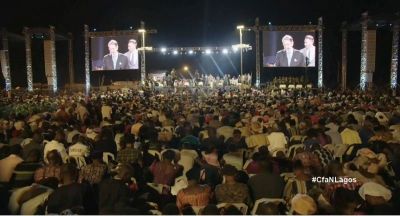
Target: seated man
56, 144
194, 194
299, 184
115, 195
257, 183
237, 140
94, 172
231, 191
165, 171
128, 154
52, 169
71, 196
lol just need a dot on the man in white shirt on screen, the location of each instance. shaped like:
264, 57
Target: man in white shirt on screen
309, 50
132, 55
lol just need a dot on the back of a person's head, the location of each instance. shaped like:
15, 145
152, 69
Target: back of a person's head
210, 209
169, 155
211, 130
145, 146
343, 199
76, 138
263, 150
34, 156
96, 155
232, 148
225, 121
170, 209
54, 157
242, 177
237, 131
5, 150
266, 165
70, 171
125, 172
267, 209
210, 149
312, 133
292, 122
15, 149
232, 210
297, 165
193, 175
106, 133
188, 210
60, 135
256, 156
37, 136
229, 170
128, 139
333, 168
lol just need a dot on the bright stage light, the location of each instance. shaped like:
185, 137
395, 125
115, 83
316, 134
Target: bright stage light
185, 68
240, 27
190, 52
208, 51
175, 52
269, 23
130, 27
235, 48
142, 30
225, 51
163, 49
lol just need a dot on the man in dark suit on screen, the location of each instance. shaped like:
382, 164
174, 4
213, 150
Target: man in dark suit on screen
115, 60
289, 57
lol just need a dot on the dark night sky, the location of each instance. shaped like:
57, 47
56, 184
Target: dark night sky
184, 22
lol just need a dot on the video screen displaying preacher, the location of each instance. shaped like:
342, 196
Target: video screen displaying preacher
114, 53
289, 49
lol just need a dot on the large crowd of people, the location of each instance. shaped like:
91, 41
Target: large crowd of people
187, 151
